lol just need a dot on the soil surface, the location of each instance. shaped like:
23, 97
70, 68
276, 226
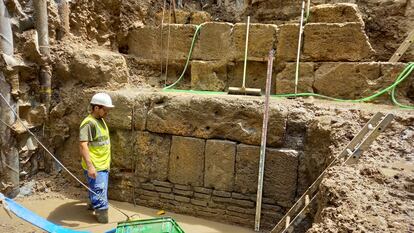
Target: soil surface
68, 209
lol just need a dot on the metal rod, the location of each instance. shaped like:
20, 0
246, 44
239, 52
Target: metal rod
299, 47
245, 52
263, 143
41, 24
8, 150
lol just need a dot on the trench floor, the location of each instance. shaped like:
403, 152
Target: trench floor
72, 213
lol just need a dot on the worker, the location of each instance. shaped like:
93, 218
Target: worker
95, 148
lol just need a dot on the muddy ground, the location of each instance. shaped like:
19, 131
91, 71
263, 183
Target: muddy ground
61, 201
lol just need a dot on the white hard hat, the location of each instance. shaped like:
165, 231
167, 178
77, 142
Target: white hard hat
102, 99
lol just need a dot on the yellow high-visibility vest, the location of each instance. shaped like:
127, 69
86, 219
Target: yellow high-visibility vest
99, 147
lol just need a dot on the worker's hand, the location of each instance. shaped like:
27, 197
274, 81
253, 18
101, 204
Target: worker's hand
92, 172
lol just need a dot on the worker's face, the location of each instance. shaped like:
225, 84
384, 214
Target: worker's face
101, 111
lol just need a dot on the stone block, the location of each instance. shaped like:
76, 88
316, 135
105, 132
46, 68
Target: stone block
243, 203
95, 67
182, 199
162, 183
262, 38
217, 206
336, 42
389, 73
187, 193
162, 189
346, 80
139, 114
208, 76
187, 161
144, 42
335, 13
280, 178
148, 186
240, 196
287, 44
285, 80
147, 193
152, 151
217, 117
121, 148
214, 42
221, 193
167, 196
202, 196
120, 117
247, 163
256, 73
247, 167
202, 190
198, 202
182, 187
219, 165
221, 199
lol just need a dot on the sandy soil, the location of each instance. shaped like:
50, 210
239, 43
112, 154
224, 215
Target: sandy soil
73, 213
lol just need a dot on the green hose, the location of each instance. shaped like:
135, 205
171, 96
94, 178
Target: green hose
196, 33
401, 77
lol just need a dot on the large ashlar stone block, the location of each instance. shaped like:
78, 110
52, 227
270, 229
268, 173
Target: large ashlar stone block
121, 147
223, 117
287, 42
281, 172
335, 13
280, 175
214, 42
247, 168
346, 80
152, 155
208, 76
285, 80
336, 42
219, 164
120, 117
94, 67
187, 161
389, 73
262, 38
256, 73
144, 42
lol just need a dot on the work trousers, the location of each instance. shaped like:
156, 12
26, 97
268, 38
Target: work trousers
100, 187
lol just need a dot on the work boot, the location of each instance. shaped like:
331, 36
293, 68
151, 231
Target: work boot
102, 216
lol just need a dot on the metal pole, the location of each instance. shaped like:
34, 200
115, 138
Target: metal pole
9, 155
263, 143
63, 11
299, 47
41, 24
245, 53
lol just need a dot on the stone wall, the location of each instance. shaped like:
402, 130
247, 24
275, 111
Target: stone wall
337, 58
199, 155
